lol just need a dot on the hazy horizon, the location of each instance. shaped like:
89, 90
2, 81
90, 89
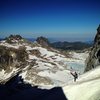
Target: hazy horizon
74, 20
54, 39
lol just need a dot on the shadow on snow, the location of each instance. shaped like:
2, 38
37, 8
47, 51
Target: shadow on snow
16, 89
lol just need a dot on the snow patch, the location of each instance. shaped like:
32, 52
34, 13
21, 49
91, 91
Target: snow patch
87, 87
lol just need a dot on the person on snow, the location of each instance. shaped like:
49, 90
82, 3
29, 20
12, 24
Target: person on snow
74, 74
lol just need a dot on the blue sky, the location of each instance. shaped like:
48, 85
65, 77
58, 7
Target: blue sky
73, 20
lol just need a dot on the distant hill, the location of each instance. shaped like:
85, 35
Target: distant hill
31, 39
58, 44
1, 39
71, 45
62, 45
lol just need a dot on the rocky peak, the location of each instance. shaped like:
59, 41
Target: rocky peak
97, 37
94, 57
13, 39
98, 29
43, 41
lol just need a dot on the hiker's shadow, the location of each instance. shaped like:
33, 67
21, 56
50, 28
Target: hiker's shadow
16, 89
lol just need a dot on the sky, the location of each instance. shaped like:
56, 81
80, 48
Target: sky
73, 20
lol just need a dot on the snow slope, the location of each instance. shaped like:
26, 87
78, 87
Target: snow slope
87, 87
77, 61
49, 68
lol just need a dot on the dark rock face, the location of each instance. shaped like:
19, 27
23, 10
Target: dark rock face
94, 56
43, 41
12, 56
97, 37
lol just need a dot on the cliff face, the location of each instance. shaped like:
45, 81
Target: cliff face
94, 57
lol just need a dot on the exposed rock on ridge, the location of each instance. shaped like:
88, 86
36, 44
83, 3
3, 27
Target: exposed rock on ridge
94, 57
43, 41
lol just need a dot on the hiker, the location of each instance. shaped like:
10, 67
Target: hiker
74, 74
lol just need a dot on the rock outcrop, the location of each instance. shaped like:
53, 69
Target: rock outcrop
12, 57
43, 41
35, 52
94, 57
14, 39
